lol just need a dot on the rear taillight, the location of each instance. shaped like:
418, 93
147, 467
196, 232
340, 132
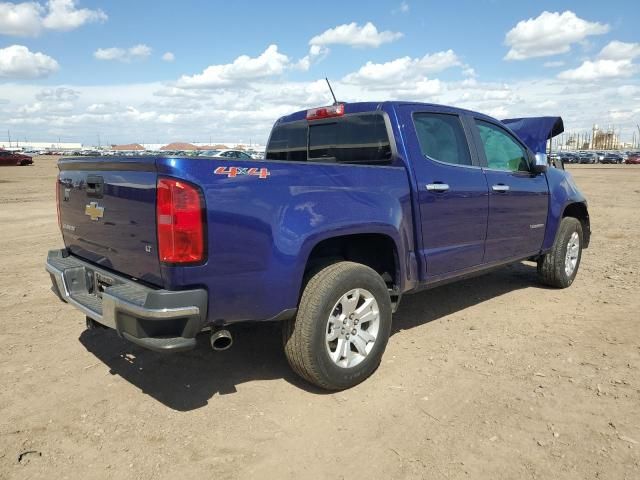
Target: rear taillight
179, 216
58, 202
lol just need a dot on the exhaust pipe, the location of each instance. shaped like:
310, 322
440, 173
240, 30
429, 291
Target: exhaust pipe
221, 339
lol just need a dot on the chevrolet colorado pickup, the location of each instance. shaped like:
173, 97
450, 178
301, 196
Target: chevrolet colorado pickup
354, 206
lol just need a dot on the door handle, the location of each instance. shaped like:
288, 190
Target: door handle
437, 187
500, 188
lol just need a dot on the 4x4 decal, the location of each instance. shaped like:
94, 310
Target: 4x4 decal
232, 172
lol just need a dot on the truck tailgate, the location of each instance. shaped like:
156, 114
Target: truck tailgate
107, 213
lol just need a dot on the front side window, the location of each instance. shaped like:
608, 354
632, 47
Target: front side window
502, 151
442, 138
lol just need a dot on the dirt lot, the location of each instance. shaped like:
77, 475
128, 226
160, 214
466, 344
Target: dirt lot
494, 377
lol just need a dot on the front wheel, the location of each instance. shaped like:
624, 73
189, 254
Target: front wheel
559, 267
342, 327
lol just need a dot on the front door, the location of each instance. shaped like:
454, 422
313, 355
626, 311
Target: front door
518, 199
452, 193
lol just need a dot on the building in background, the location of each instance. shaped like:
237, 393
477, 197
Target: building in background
604, 140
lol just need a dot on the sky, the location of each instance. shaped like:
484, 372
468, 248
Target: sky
157, 71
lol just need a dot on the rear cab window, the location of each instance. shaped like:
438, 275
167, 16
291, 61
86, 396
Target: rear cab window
351, 139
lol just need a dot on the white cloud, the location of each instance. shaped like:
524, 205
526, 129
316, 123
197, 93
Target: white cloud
599, 69
17, 61
629, 90
105, 108
621, 114
616, 50
354, 35
550, 33
402, 8
59, 94
316, 53
403, 69
243, 69
20, 19
137, 52
28, 19
63, 15
254, 91
168, 57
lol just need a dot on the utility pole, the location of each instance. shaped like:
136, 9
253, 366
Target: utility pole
9, 135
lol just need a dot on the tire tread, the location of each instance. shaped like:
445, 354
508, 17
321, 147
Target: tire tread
298, 332
551, 266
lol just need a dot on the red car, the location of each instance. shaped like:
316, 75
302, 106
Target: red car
14, 158
634, 158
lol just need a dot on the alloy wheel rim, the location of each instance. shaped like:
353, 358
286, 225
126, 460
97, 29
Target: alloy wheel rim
352, 328
573, 252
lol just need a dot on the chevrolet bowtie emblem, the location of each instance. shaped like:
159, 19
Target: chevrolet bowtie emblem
94, 211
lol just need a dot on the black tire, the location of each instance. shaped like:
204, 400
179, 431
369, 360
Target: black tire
304, 337
551, 267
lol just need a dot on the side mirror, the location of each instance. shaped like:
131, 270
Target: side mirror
540, 163
537, 169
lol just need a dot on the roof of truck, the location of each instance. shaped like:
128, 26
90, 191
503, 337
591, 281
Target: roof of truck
360, 107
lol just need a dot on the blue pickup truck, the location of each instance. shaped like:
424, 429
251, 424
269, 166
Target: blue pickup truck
354, 206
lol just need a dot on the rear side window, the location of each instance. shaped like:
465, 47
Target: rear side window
353, 139
442, 138
288, 142
357, 139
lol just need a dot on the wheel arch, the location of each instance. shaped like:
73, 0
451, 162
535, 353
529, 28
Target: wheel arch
579, 211
375, 249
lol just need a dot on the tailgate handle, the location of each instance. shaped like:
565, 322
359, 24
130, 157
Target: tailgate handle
95, 186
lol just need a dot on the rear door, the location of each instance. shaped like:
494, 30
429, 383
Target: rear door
451, 189
518, 199
108, 213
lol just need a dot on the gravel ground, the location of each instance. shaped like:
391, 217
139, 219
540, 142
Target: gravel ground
493, 377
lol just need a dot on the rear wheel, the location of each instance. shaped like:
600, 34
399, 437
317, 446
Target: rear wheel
342, 327
559, 267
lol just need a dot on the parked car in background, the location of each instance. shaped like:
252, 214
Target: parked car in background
612, 158
588, 157
633, 158
234, 154
256, 155
209, 153
569, 157
8, 158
